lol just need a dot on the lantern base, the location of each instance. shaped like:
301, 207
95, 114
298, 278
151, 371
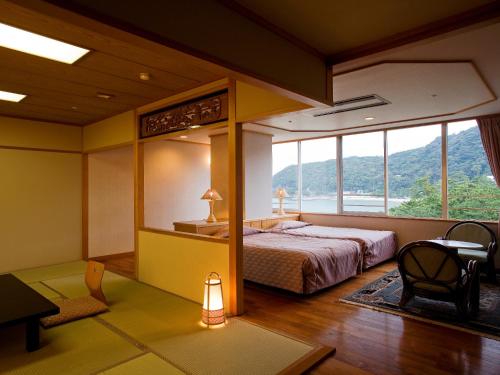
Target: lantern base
213, 317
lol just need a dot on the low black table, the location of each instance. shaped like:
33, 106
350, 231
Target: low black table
21, 304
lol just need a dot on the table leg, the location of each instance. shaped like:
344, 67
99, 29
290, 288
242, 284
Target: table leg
32, 335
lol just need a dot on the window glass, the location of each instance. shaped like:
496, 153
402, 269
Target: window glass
319, 175
414, 157
472, 191
363, 172
285, 174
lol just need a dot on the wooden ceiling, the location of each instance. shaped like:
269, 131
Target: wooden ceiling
342, 29
63, 93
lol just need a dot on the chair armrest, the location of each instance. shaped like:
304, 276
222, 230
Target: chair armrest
472, 269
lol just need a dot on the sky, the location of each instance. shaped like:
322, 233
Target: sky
368, 144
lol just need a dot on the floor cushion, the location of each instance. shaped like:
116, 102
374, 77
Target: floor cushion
73, 309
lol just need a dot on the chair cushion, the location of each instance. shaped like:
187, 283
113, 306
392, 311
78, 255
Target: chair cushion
479, 255
74, 309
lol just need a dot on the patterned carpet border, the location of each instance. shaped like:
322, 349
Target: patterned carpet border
384, 293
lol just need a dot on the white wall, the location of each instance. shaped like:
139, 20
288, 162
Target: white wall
111, 202
258, 166
257, 157
176, 174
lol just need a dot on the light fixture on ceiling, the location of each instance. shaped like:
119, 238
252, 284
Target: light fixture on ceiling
194, 126
11, 96
103, 95
144, 76
183, 136
38, 45
74, 108
369, 118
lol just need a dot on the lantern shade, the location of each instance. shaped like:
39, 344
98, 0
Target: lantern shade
213, 302
211, 195
281, 193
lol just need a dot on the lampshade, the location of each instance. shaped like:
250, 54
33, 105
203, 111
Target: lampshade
281, 193
213, 303
211, 195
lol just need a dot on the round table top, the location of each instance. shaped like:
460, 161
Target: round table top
459, 244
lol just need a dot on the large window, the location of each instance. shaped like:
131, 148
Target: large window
319, 175
414, 165
363, 172
472, 192
396, 172
286, 174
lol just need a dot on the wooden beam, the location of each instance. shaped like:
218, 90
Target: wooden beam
85, 206
235, 153
138, 193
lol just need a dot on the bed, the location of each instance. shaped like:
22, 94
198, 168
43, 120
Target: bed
376, 245
297, 263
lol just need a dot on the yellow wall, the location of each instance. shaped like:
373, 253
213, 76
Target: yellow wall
116, 130
40, 200
37, 134
179, 264
254, 102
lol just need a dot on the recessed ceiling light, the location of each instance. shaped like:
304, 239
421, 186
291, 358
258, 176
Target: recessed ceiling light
194, 126
103, 95
369, 118
183, 136
34, 44
11, 97
74, 108
145, 76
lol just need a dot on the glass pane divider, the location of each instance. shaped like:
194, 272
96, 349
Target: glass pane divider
444, 170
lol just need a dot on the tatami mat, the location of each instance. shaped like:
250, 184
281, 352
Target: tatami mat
148, 331
81, 347
51, 272
148, 364
45, 291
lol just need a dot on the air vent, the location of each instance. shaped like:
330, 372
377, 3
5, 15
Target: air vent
354, 104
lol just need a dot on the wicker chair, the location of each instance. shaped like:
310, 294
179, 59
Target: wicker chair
473, 231
433, 271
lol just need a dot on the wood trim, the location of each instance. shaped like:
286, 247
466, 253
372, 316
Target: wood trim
378, 216
235, 158
308, 361
112, 256
52, 122
39, 149
193, 236
138, 192
480, 14
85, 206
107, 148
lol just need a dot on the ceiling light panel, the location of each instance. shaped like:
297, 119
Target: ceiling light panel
11, 97
34, 44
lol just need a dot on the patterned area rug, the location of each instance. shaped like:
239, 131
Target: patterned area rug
383, 295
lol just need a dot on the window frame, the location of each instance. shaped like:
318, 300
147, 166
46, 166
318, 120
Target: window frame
340, 173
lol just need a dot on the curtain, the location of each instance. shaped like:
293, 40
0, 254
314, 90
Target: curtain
490, 136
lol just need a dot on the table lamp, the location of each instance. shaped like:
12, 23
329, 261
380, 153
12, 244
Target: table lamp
211, 196
281, 194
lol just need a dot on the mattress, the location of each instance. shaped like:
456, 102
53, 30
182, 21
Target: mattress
297, 263
376, 245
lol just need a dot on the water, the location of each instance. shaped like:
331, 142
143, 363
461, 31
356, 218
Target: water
329, 205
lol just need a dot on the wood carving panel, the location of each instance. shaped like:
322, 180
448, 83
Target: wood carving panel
200, 111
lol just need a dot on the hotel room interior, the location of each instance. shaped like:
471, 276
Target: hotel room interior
249, 187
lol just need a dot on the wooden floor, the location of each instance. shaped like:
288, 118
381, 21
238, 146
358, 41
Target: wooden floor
367, 341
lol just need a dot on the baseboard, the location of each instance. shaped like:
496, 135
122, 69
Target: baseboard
112, 256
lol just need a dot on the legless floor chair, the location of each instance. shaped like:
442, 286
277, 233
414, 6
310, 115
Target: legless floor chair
82, 307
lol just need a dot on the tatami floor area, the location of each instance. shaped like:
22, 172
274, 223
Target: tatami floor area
146, 331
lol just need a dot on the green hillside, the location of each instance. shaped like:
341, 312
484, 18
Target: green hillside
364, 175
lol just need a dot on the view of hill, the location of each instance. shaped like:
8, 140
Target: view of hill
365, 174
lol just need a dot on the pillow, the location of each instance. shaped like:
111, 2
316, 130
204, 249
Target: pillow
74, 309
289, 224
247, 231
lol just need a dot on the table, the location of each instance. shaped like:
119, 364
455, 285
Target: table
21, 304
454, 246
